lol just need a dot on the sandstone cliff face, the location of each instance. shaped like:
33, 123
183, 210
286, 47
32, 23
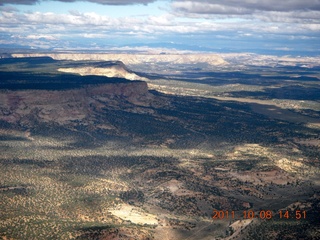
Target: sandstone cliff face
66, 106
113, 71
132, 59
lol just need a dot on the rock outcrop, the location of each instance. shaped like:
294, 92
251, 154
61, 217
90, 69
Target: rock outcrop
132, 59
116, 69
65, 106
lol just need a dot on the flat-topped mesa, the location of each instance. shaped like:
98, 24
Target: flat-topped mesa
67, 105
132, 59
110, 69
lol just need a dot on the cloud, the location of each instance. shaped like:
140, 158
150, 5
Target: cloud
195, 7
103, 2
8, 9
260, 11
41, 36
200, 22
290, 17
244, 6
91, 24
24, 2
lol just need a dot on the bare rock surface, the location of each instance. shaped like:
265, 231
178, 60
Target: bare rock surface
118, 69
68, 105
132, 59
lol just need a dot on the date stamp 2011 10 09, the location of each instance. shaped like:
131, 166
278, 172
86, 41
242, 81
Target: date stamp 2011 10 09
262, 214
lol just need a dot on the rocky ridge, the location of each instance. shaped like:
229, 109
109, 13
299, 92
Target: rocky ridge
65, 106
132, 59
118, 69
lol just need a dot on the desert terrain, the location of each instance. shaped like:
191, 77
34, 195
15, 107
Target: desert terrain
101, 146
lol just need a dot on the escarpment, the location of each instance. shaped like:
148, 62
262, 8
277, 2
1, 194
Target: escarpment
36, 91
67, 105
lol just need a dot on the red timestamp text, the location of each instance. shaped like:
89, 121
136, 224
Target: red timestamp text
250, 214
262, 214
297, 214
223, 214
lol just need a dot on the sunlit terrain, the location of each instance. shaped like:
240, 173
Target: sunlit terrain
184, 150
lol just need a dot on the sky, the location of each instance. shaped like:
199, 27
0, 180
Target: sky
261, 26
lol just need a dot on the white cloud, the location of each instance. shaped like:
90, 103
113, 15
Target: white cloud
222, 19
94, 25
93, 35
164, 20
41, 36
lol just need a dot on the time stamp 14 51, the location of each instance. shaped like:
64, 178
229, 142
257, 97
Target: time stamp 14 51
261, 214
